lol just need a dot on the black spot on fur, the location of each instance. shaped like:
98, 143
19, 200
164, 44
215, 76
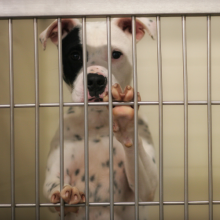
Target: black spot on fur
114, 181
98, 127
153, 160
72, 156
53, 186
114, 150
70, 110
107, 163
96, 140
92, 178
140, 121
67, 172
96, 197
77, 172
78, 137
71, 44
99, 111
83, 178
120, 164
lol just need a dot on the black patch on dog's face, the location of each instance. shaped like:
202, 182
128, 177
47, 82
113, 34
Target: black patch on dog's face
72, 56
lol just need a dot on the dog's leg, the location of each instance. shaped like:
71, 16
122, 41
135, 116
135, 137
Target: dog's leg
123, 127
70, 194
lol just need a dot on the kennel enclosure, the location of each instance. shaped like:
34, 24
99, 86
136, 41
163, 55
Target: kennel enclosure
11, 11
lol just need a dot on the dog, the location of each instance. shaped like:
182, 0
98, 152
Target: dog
123, 122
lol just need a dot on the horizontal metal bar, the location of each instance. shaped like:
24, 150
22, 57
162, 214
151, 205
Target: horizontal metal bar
26, 8
32, 205
69, 104
112, 15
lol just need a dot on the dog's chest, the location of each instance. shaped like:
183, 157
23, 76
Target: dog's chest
98, 145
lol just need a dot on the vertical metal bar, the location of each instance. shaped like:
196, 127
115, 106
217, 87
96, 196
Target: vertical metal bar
12, 151
134, 60
36, 70
209, 111
86, 143
111, 177
185, 90
61, 115
160, 93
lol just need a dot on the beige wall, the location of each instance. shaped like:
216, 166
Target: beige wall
148, 86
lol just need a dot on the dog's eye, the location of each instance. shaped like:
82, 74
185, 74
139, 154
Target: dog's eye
75, 56
116, 54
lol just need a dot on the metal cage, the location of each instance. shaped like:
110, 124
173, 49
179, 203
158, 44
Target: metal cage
34, 11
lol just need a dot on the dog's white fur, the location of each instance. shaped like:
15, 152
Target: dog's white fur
98, 130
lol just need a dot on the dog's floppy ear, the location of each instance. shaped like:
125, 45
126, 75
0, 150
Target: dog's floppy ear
52, 30
142, 25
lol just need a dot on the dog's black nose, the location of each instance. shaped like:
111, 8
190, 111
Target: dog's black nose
96, 84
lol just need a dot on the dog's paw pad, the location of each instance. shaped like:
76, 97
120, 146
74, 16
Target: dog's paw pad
128, 94
117, 93
123, 115
128, 142
123, 112
72, 195
55, 198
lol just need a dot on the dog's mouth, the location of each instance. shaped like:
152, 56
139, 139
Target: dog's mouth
95, 99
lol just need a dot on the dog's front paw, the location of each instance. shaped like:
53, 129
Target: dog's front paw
123, 115
70, 195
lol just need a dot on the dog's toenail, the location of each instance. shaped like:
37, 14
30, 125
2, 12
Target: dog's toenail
75, 197
128, 87
115, 85
83, 198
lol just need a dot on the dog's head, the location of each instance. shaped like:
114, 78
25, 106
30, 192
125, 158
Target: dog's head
96, 38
